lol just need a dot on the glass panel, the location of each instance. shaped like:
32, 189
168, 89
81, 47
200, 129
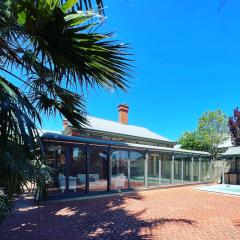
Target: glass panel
77, 169
178, 168
98, 171
136, 169
238, 170
153, 169
187, 162
166, 160
231, 165
206, 170
196, 168
56, 158
238, 164
119, 178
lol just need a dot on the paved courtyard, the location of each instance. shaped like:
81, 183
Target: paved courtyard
176, 213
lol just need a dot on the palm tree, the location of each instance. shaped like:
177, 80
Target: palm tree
49, 52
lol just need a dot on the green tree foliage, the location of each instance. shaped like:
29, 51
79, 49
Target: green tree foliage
234, 127
213, 127
193, 141
49, 54
211, 132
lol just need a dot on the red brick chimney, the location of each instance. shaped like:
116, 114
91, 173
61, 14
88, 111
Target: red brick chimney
123, 113
65, 123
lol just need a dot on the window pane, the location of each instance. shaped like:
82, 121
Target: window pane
119, 178
187, 162
238, 164
98, 171
196, 168
232, 165
177, 168
56, 158
166, 160
77, 170
153, 169
206, 170
136, 169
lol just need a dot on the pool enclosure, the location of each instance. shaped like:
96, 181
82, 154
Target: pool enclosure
85, 165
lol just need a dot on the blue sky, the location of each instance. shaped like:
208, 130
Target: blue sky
187, 59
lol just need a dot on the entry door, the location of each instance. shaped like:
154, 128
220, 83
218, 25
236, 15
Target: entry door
98, 171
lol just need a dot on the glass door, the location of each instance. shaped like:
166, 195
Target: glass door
166, 161
98, 171
56, 159
137, 169
153, 169
77, 169
119, 177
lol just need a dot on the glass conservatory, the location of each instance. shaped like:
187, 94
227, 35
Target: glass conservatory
87, 166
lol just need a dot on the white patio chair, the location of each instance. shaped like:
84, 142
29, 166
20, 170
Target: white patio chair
120, 182
62, 182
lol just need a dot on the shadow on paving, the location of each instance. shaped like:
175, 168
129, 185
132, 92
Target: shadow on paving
105, 218
237, 224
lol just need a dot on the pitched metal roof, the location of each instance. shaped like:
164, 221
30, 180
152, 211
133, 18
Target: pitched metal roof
66, 138
41, 132
99, 124
232, 151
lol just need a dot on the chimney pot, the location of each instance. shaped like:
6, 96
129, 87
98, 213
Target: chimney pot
123, 113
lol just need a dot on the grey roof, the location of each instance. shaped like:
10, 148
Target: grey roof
232, 151
108, 126
61, 137
42, 131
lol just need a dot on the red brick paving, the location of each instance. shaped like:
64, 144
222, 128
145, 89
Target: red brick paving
177, 213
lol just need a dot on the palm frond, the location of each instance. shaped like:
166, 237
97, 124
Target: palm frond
19, 138
88, 5
16, 169
68, 44
7, 51
18, 117
49, 97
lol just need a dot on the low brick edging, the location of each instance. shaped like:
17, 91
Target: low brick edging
178, 185
120, 193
